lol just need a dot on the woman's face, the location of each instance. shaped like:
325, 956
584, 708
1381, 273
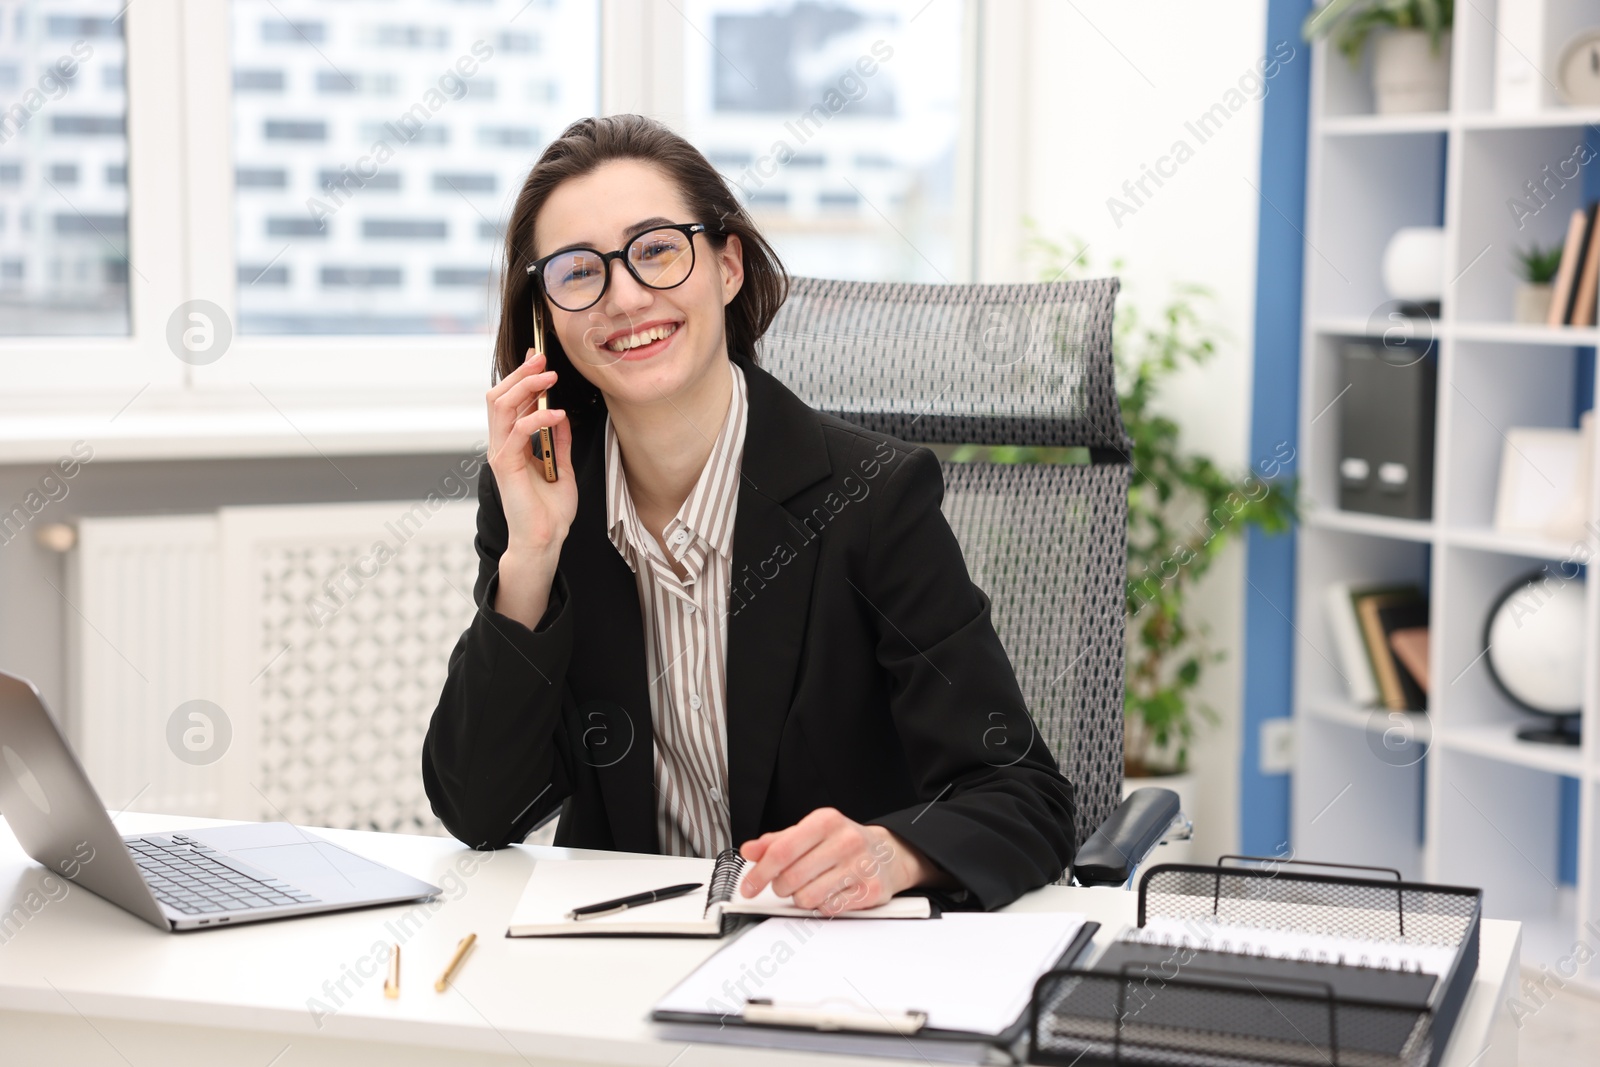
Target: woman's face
604, 210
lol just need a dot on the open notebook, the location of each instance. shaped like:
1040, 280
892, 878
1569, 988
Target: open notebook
558, 886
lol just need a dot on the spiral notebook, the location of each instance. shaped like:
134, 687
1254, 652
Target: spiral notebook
1384, 972
1265, 960
1293, 945
558, 886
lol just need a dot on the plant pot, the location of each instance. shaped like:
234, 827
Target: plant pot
1407, 74
1531, 302
1185, 785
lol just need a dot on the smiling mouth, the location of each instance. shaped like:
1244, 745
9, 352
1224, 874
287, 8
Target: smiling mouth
642, 338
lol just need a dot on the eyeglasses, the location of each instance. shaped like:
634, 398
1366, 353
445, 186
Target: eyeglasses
577, 278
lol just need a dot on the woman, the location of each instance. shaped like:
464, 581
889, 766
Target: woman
732, 621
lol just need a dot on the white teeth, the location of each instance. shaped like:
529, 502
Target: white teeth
643, 337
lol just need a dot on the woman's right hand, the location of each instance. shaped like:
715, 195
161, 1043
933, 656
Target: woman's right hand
538, 513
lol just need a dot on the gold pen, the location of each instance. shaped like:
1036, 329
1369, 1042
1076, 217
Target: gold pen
391, 985
462, 948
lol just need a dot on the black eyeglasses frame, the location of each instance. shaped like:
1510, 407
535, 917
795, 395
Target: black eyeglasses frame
688, 229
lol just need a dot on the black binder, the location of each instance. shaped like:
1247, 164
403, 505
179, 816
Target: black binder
1143, 1003
1386, 427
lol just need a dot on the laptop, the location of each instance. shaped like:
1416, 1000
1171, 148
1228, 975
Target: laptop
196, 879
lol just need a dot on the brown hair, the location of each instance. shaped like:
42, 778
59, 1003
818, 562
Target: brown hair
581, 148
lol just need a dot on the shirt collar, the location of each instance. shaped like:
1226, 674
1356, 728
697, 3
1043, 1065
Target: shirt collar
707, 514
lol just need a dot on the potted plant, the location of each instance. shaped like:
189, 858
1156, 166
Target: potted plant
1531, 303
1183, 510
1410, 48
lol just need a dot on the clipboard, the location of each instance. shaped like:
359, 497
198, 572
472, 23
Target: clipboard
845, 1025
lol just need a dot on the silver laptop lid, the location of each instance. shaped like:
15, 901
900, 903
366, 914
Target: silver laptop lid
53, 809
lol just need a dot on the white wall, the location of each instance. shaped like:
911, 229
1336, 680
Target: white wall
1109, 88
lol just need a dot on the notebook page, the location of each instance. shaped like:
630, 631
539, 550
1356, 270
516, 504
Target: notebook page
558, 886
968, 971
1293, 945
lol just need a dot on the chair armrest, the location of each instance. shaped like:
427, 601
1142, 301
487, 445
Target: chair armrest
1122, 841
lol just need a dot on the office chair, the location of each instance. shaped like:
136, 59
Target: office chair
1025, 364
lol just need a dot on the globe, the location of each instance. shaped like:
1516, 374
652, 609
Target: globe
1535, 640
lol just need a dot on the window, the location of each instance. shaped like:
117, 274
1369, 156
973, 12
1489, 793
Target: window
282, 31
375, 169
376, 148
836, 125
63, 154
348, 182
260, 178
258, 81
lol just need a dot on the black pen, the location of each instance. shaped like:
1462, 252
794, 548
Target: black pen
607, 907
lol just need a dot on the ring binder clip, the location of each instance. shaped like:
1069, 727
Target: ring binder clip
762, 1012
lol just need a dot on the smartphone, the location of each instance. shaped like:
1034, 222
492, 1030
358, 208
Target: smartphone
545, 436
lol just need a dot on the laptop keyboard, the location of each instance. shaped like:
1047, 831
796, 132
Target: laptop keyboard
198, 880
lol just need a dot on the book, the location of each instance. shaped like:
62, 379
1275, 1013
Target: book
1397, 695
1567, 272
1520, 88
1383, 664
1404, 615
556, 887
1356, 660
1354, 663
1410, 646
956, 990
1583, 292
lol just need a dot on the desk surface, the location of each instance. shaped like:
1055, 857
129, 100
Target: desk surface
320, 979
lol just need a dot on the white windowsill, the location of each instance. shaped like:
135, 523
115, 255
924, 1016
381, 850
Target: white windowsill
176, 426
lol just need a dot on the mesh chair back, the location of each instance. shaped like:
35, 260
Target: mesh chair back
1026, 364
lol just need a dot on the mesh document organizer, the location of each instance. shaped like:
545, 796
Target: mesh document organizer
1025, 364
1202, 1017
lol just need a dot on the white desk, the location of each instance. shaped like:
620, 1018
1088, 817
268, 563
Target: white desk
84, 983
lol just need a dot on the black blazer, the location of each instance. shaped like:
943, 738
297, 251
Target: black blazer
863, 671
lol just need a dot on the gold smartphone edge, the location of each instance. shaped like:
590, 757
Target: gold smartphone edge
547, 446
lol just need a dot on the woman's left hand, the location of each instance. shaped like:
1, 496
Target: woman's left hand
831, 863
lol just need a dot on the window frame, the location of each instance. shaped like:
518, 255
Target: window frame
101, 369
180, 109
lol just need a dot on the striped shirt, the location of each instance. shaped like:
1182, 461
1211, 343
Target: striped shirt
686, 634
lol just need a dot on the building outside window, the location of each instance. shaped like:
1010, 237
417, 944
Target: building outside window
837, 124
63, 169
379, 146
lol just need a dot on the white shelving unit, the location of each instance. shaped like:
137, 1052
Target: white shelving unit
1482, 807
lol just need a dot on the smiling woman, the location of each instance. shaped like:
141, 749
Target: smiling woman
634, 158
831, 727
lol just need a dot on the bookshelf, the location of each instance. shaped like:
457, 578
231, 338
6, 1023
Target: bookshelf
1480, 807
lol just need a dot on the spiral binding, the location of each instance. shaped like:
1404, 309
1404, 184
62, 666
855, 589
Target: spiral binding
1377, 960
725, 877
